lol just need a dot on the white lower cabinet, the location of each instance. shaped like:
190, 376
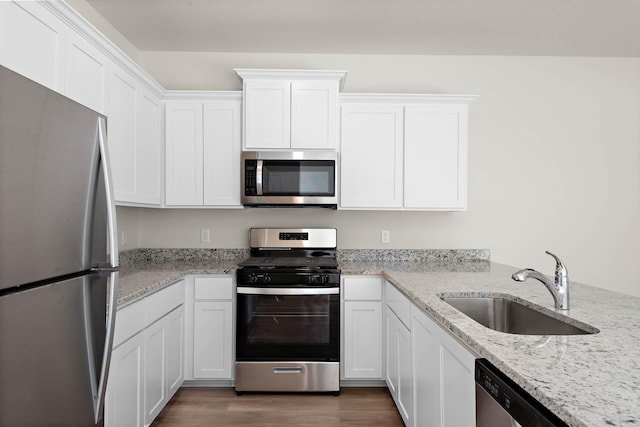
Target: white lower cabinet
212, 349
443, 369
399, 375
212, 344
147, 360
458, 383
163, 362
426, 363
124, 405
362, 328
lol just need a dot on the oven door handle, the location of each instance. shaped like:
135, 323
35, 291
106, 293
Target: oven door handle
287, 291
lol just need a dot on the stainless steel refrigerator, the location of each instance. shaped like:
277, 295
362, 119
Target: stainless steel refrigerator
58, 278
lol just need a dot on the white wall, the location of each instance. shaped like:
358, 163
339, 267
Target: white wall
554, 160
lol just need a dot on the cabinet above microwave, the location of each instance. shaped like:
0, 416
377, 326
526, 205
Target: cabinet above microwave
291, 109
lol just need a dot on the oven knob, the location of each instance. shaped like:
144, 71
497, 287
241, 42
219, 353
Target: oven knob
267, 278
317, 279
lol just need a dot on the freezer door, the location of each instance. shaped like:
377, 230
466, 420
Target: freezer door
51, 184
55, 342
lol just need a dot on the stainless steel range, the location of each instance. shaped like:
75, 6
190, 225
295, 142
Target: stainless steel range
288, 316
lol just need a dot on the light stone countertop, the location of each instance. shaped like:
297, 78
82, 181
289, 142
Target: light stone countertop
587, 380
144, 278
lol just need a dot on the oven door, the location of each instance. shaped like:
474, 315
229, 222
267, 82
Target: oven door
288, 324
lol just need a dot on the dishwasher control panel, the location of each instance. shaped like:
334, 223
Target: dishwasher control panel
511, 398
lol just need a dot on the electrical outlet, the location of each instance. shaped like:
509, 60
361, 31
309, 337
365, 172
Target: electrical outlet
205, 235
385, 236
123, 238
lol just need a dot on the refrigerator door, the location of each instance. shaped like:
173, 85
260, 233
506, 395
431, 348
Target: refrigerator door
53, 351
51, 180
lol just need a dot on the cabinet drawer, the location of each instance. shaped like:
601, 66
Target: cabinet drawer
398, 303
129, 321
218, 288
162, 302
362, 288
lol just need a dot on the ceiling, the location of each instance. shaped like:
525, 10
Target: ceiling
423, 27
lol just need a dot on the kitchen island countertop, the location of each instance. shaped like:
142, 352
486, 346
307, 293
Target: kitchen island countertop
587, 380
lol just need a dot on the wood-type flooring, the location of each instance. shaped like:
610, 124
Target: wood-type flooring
207, 407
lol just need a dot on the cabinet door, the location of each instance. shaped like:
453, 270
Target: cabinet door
405, 374
184, 166
425, 339
154, 370
174, 350
391, 350
458, 383
222, 145
121, 126
267, 109
435, 153
32, 43
362, 339
164, 346
212, 340
149, 144
86, 73
314, 115
371, 156
399, 373
123, 405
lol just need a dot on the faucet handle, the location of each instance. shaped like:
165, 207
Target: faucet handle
561, 270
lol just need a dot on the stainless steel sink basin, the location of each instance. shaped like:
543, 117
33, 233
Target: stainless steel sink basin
512, 317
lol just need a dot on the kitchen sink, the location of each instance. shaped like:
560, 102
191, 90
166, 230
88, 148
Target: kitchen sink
510, 316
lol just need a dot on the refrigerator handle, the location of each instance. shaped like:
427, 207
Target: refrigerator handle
101, 391
108, 182
99, 397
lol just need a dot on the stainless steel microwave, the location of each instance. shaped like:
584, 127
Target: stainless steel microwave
289, 178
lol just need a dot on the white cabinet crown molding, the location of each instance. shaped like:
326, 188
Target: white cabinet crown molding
276, 74
405, 98
78, 23
203, 95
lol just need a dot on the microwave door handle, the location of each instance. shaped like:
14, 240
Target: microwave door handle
259, 177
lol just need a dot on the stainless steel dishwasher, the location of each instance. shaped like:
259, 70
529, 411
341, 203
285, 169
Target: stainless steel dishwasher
502, 403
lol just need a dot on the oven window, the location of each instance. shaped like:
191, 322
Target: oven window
287, 327
298, 178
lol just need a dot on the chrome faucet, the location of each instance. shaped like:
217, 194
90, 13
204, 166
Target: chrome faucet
559, 288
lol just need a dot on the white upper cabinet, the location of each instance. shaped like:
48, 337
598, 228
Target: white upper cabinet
183, 139
149, 145
86, 73
267, 114
221, 152
290, 109
32, 43
314, 115
371, 156
404, 152
202, 145
134, 123
121, 127
435, 157
51, 44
